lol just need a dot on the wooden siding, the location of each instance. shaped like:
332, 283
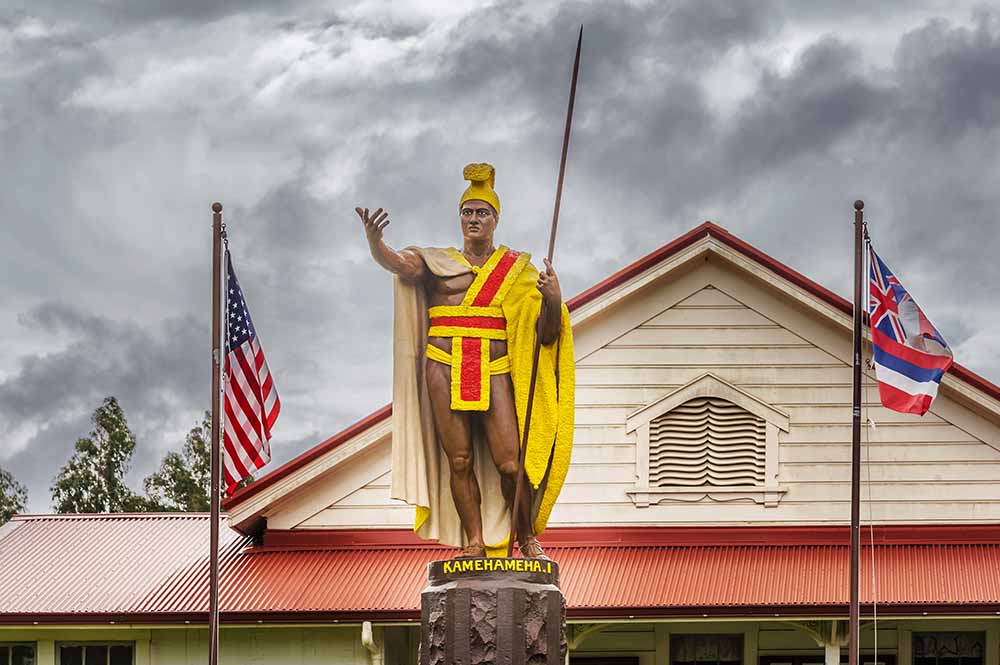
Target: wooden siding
784, 639
716, 319
238, 645
309, 645
641, 640
650, 641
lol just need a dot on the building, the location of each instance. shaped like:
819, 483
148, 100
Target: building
703, 520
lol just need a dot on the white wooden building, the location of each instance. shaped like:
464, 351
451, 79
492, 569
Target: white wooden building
703, 520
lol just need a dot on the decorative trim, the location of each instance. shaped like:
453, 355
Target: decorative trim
652, 495
707, 386
306, 458
243, 516
603, 536
355, 617
577, 634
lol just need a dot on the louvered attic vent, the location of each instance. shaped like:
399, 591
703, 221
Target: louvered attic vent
707, 442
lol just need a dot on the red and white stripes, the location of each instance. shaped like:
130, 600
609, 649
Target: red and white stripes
251, 408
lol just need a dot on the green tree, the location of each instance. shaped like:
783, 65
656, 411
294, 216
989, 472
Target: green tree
181, 483
13, 496
183, 479
92, 480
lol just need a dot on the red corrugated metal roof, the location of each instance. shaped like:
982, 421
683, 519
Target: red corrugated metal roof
102, 563
154, 568
706, 229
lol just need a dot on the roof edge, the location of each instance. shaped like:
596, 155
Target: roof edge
706, 229
27, 517
653, 536
313, 453
941, 610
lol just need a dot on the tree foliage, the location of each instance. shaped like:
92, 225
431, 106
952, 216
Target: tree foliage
92, 480
13, 496
181, 483
183, 479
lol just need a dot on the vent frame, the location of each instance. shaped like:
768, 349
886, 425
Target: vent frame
764, 490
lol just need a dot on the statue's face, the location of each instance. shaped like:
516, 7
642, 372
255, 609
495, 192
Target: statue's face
479, 220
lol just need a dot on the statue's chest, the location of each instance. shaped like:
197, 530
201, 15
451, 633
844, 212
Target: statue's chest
452, 289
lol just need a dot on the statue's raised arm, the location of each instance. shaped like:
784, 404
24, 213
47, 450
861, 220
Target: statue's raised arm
408, 265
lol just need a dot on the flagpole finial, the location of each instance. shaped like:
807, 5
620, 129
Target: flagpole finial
859, 204
216, 207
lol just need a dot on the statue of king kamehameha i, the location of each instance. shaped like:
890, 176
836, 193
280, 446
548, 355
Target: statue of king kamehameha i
465, 329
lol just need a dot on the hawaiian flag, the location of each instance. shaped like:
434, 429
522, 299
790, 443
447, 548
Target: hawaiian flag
911, 356
251, 404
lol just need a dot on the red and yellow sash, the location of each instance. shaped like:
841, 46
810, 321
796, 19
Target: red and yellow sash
473, 324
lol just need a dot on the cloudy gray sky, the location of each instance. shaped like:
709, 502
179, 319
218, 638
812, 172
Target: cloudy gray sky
122, 120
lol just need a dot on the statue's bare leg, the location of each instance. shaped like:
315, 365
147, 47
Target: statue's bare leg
455, 433
500, 425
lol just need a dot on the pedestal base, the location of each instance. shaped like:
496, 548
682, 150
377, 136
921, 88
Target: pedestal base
492, 611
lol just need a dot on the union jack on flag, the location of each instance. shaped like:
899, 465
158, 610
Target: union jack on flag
251, 403
911, 356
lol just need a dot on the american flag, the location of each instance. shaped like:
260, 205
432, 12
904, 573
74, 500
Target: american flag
251, 404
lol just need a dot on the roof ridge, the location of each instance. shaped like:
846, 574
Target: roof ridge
38, 517
707, 229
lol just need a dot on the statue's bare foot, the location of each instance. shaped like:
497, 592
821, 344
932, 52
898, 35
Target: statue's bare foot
472, 551
532, 549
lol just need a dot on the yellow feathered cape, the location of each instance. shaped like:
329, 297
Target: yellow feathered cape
420, 474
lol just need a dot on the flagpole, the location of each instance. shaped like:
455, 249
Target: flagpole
217, 300
538, 340
859, 225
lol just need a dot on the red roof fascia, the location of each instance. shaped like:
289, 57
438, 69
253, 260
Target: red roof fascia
572, 613
644, 536
344, 538
645, 263
317, 451
703, 230
196, 618
843, 304
787, 611
727, 536
707, 229
107, 517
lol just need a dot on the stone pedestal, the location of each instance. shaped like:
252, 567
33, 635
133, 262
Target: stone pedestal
493, 611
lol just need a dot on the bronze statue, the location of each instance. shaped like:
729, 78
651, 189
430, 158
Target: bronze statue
465, 326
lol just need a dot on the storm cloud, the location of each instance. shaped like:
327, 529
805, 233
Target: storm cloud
121, 122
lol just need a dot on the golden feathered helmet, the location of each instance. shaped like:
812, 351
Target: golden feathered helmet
481, 177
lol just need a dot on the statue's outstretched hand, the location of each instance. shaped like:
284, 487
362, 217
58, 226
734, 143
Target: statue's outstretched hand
406, 263
548, 284
374, 223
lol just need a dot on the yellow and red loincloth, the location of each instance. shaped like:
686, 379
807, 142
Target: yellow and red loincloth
471, 325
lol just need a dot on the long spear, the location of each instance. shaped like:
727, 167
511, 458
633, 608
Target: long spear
538, 339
